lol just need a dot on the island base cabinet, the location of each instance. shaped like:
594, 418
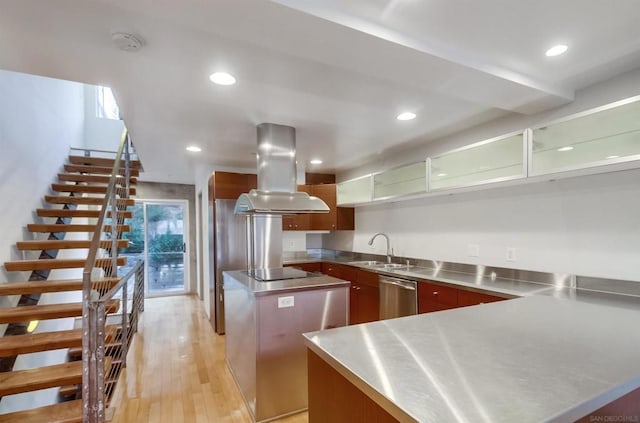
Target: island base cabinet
265, 350
332, 398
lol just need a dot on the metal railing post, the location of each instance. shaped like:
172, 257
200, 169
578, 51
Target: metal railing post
127, 166
125, 327
87, 352
94, 407
114, 234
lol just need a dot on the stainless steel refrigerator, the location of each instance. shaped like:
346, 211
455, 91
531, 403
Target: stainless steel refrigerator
228, 248
232, 239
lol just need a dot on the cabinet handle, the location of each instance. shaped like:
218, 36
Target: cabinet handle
435, 292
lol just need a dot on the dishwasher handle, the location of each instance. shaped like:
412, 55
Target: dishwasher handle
404, 284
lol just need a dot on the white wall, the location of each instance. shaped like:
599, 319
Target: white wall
40, 119
587, 225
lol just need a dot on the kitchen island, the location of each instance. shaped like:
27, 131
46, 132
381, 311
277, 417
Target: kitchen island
264, 343
530, 359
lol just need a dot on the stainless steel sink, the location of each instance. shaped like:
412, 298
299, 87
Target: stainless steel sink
366, 263
394, 266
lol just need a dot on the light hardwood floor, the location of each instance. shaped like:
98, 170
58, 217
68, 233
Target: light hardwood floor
176, 370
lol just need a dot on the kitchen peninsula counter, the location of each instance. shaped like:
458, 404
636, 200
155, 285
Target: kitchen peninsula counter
531, 359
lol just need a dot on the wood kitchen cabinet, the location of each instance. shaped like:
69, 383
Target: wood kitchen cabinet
365, 298
364, 295
333, 398
338, 218
298, 222
434, 297
229, 186
313, 267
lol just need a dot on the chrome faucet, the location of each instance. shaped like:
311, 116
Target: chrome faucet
389, 249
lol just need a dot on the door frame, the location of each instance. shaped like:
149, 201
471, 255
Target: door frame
186, 238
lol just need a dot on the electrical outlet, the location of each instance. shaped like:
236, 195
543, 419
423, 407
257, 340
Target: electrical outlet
473, 250
511, 254
284, 302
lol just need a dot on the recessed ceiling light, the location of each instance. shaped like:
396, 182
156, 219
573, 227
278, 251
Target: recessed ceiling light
406, 116
315, 161
556, 50
567, 148
222, 78
441, 174
612, 157
194, 149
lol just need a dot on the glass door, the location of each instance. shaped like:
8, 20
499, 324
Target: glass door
158, 233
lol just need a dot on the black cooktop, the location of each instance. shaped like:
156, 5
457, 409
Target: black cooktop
279, 273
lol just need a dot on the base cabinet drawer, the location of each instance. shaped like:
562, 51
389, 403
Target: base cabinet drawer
432, 297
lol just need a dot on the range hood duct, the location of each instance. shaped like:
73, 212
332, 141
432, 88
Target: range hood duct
276, 193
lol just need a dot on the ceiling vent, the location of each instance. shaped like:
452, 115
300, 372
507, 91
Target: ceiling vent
127, 42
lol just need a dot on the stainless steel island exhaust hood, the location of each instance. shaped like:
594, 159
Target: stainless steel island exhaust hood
276, 193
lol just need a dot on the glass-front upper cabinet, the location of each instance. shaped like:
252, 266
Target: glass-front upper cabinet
354, 191
494, 160
404, 180
605, 135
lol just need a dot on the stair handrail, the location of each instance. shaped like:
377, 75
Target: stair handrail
95, 240
94, 310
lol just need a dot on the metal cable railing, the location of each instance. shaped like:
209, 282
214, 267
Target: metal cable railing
111, 304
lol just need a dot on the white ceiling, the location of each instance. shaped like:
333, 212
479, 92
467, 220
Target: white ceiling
339, 71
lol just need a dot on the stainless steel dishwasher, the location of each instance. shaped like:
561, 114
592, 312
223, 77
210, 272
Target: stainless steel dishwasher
398, 297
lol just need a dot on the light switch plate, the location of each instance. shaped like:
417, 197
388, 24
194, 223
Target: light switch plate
284, 302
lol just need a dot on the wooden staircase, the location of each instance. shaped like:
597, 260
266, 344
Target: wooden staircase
79, 194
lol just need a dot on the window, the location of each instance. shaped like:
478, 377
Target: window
107, 107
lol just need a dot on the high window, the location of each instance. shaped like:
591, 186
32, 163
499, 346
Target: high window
107, 107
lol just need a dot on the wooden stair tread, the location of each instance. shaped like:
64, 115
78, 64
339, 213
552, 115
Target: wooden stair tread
90, 189
34, 287
43, 377
102, 161
54, 244
47, 264
91, 201
100, 170
63, 412
59, 227
34, 342
48, 311
101, 179
79, 213
45, 341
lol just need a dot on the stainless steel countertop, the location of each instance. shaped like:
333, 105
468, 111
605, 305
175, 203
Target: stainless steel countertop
507, 288
531, 359
266, 288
